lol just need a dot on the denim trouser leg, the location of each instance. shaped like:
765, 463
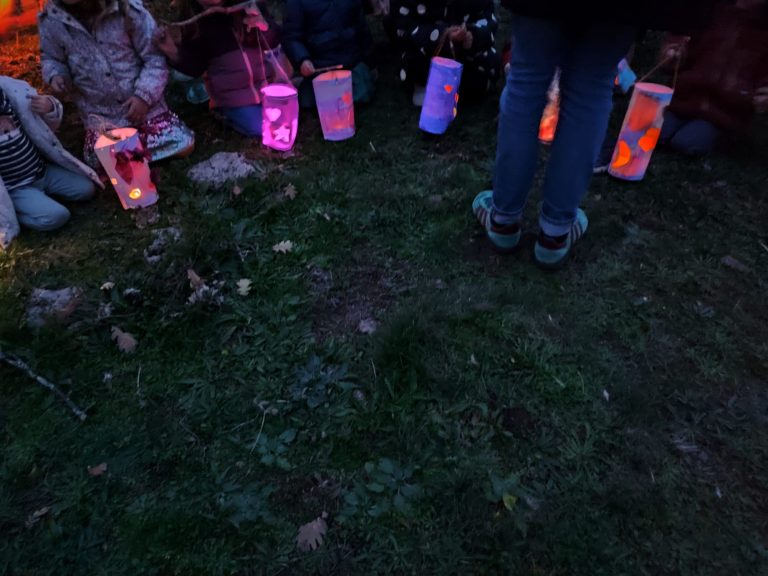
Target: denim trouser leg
244, 119
36, 210
535, 55
588, 58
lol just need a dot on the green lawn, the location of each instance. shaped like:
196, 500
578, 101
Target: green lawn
610, 419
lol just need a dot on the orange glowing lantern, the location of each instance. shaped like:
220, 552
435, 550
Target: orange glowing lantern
640, 131
335, 104
551, 114
126, 163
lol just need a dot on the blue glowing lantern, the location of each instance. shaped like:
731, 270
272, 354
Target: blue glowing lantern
442, 96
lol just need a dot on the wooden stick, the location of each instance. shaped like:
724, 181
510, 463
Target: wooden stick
16, 362
209, 11
328, 68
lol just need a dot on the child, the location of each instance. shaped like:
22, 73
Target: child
33, 163
101, 52
723, 79
230, 50
323, 33
464, 30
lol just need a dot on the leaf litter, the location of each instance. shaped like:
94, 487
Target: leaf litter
312, 534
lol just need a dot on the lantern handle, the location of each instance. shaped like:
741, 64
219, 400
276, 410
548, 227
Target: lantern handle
441, 44
274, 60
103, 127
663, 63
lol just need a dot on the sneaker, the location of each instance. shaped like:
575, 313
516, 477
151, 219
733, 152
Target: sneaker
418, 96
551, 252
505, 238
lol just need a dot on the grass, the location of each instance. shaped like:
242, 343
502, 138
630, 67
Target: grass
606, 419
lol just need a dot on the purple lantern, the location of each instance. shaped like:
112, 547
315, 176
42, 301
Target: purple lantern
442, 95
280, 116
335, 104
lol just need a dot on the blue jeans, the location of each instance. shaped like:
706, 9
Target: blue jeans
35, 208
243, 119
690, 137
588, 57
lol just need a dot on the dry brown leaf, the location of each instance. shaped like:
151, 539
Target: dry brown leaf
290, 192
34, 518
367, 326
97, 470
125, 340
283, 247
312, 534
194, 280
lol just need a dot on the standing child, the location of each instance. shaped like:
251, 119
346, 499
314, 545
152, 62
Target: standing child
33, 164
101, 52
230, 50
464, 30
323, 33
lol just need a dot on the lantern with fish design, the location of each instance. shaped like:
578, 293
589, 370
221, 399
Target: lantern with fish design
333, 94
640, 131
126, 163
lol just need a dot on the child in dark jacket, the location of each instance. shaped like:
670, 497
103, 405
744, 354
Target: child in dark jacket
230, 50
324, 33
723, 79
464, 30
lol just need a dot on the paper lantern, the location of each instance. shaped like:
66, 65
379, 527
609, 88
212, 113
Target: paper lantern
335, 105
280, 116
442, 95
625, 76
126, 163
551, 114
640, 131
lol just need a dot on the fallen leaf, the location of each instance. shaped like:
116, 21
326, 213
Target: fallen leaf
125, 340
194, 280
244, 286
367, 326
290, 192
236, 190
606, 395
733, 264
97, 470
34, 518
283, 247
107, 286
473, 360
312, 534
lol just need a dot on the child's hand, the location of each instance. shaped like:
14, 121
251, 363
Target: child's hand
307, 68
6, 124
254, 19
137, 110
60, 85
761, 100
467, 44
40, 104
457, 33
167, 40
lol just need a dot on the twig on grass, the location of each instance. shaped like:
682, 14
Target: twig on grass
18, 363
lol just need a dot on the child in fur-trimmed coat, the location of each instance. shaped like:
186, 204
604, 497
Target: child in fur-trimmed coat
33, 164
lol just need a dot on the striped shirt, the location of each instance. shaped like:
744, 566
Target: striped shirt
20, 161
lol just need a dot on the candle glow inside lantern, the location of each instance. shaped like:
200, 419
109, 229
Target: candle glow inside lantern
551, 114
442, 96
280, 116
640, 131
126, 163
335, 104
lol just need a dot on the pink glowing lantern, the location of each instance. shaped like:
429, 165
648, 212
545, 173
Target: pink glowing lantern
442, 96
551, 115
280, 116
335, 104
640, 131
126, 163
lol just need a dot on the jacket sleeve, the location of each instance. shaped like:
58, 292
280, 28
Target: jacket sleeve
483, 25
53, 61
153, 77
294, 28
53, 118
419, 30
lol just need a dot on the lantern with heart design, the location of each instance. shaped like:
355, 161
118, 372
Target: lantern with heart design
442, 96
335, 104
640, 131
126, 163
280, 116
